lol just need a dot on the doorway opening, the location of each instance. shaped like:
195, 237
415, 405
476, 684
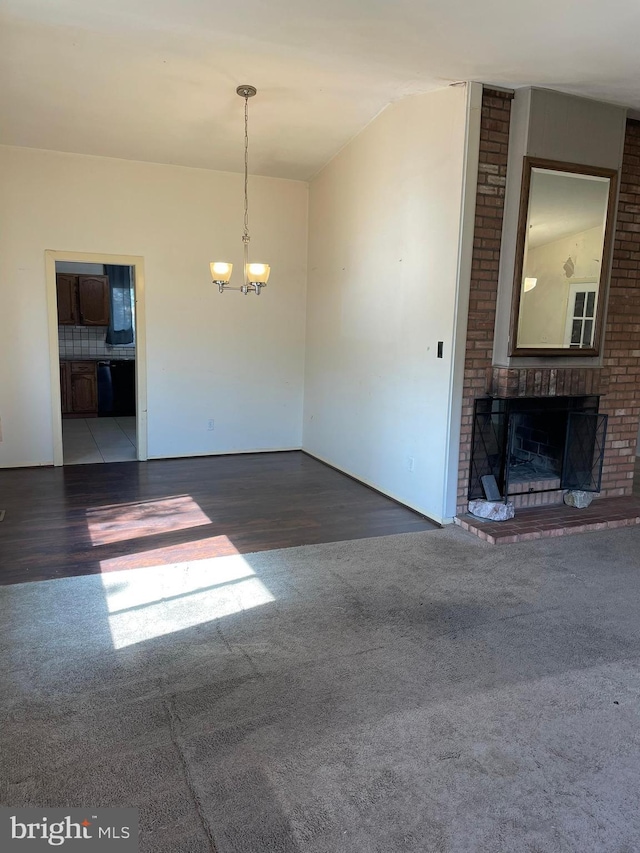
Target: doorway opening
97, 354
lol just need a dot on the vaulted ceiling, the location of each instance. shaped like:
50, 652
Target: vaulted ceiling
155, 79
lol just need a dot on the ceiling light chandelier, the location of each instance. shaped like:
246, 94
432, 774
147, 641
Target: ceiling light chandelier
256, 276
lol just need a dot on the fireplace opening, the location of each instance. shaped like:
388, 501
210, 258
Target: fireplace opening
537, 445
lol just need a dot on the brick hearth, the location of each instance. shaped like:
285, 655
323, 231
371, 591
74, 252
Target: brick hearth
561, 520
543, 522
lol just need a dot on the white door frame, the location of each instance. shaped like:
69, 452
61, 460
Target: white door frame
137, 262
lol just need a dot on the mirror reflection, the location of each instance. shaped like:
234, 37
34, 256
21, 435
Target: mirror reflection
562, 260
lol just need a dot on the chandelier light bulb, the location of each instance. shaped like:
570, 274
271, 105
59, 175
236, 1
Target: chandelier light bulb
220, 271
258, 273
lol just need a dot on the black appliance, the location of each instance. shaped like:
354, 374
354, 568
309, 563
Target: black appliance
116, 388
105, 389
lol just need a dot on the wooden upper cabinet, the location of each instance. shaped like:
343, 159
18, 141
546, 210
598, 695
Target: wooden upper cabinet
83, 299
67, 287
93, 298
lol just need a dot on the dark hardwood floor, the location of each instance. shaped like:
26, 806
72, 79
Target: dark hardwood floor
86, 519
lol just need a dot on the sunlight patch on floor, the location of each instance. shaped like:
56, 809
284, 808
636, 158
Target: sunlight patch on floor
195, 549
147, 603
119, 522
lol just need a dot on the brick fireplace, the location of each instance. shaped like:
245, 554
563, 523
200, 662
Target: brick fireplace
615, 383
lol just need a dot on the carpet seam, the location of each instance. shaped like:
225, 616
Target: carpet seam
191, 786
239, 648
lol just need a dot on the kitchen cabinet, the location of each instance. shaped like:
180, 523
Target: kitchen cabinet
93, 300
83, 300
67, 289
79, 388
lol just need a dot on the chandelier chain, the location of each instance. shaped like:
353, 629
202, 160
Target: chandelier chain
246, 166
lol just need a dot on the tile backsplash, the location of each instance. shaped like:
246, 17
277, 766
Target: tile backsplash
88, 342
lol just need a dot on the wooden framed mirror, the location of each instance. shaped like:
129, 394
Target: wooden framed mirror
565, 236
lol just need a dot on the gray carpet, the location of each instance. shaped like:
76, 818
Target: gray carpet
421, 692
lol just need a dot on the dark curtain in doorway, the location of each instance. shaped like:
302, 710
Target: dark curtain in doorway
121, 322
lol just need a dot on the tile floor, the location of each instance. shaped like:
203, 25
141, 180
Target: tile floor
98, 440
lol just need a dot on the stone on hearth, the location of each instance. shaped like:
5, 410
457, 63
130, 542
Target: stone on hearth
492, 510
578, 498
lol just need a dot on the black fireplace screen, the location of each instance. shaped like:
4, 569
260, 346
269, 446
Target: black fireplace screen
488, 445
584, 451
552, 443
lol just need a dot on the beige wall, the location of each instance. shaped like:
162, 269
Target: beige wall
383, 270
236, 359
543, 310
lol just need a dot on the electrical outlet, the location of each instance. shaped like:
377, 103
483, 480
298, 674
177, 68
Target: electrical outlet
411, 463
210, 424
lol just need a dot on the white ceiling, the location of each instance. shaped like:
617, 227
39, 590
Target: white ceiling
562, 204
155, 79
